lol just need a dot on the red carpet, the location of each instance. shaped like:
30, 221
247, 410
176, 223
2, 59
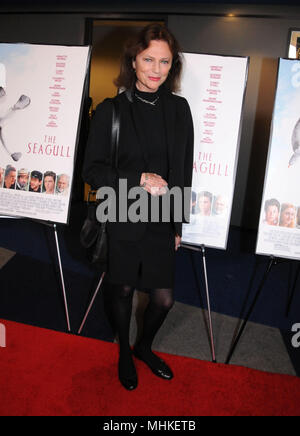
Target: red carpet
44, 372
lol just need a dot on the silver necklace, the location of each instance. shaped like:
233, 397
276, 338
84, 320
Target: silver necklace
153, 103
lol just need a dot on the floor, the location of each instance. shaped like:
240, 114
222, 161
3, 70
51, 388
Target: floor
31, 293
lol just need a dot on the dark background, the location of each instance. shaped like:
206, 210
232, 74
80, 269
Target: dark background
259, 30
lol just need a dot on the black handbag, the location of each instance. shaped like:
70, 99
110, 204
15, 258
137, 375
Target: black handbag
93, 235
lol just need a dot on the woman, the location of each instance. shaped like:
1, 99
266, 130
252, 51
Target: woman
204, 203
288, 216
156, 153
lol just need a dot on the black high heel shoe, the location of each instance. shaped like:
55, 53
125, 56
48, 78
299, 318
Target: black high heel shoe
159, 367
129, 382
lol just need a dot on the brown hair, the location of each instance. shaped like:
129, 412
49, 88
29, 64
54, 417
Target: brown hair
284, 207
50, 174
138, 44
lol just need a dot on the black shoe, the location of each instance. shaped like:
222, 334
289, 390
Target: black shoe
129, 382
157, 365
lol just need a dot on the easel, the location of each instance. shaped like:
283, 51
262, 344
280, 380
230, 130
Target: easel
91, 303
272, 262
90, 194
53, 225
293, 291
202, 249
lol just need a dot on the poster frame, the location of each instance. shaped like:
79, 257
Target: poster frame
237, 147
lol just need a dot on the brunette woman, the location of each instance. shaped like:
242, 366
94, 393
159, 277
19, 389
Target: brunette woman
156, 154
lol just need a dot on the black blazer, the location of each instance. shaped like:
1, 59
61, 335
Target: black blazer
132, 156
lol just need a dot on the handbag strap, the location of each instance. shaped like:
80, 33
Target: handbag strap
115, 133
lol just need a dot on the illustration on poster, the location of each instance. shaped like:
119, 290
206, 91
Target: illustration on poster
295, 144
22, 103
41, 98
296, 77
2, 76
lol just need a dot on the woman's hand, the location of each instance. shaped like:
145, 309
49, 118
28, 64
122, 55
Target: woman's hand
154, 184
177, 242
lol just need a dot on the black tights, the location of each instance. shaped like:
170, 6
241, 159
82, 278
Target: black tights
161, 301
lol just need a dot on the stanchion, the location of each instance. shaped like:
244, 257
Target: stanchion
202, 249
53, 225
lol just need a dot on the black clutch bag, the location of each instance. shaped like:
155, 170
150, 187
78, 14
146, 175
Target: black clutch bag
93, 235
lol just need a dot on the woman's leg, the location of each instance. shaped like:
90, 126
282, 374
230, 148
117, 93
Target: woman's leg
161, 301
121, 306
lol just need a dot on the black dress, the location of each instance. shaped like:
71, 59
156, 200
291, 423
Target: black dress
148, 262
153, 138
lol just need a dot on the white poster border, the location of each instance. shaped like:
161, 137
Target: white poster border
189, 244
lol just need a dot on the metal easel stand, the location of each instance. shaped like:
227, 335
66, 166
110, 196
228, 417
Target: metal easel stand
272, 261
202, 249
59, 262
290, 298
91, 303
62, 278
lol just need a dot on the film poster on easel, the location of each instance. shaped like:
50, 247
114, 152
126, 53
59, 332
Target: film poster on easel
215, 89
279, 227
41, 92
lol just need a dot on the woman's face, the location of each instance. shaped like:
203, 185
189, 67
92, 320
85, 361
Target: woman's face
288, 217
204, 205
152, 66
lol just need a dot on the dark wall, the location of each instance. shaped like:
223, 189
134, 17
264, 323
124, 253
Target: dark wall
259, 32
63, 29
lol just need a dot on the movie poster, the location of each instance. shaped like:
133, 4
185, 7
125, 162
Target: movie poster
41, 89
279, 228
214, 87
